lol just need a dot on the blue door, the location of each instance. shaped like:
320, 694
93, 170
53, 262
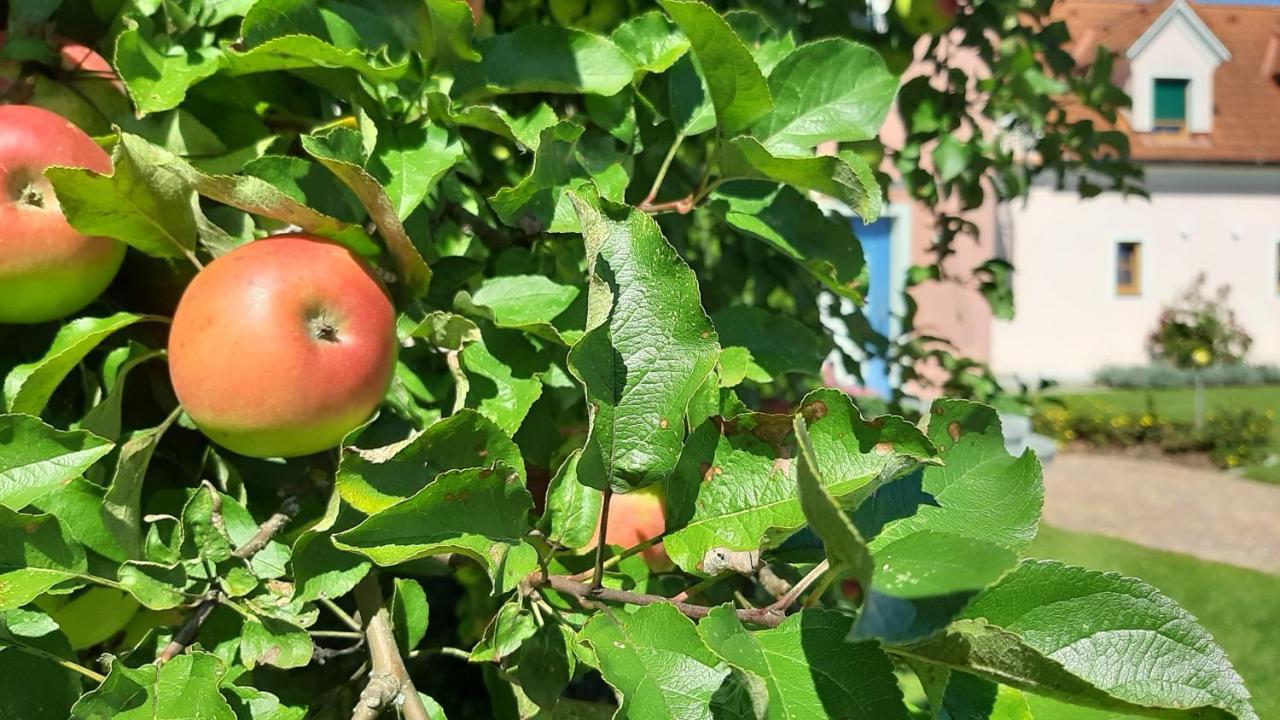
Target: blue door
878, 251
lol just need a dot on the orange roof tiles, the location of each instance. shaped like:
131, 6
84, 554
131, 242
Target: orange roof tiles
1246, 112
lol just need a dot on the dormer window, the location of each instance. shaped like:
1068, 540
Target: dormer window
1170, 105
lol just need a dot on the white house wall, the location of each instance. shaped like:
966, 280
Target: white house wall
1224, 221
1178, 51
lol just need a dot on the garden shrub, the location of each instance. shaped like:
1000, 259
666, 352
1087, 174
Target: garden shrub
1163, 375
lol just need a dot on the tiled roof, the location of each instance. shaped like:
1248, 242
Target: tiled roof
1246, 103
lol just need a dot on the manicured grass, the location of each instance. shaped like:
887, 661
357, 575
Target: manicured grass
1178, 405
1240, 607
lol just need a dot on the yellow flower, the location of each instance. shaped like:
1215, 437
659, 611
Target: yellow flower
1147, 420
1201, 357
1232, 461
1070, 434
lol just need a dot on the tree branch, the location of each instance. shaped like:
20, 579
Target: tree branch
767, 617
267, 530
389, 681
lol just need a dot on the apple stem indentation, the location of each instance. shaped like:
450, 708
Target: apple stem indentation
31, 195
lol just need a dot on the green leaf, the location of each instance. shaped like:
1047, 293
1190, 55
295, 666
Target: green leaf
844, 546
478, 512
523, 302
523, 129
745, 481
689, 98
1092, 638
847, 179
140, 203
566, 155
505, 633
768, 47
321, 570
158, 79
36, 458
655, 659
410, 159
185, 688
794, 225
104, 418
79, 508
808, 667
334, 150
272, 641
832, 89
779, 344
450, 29
122, 503
648, 347
34, 556
652, 42
738, 88
32, 685
546, 664
253, 704
156, 586
502, 382
27, 388
373, 480
573, 509
409, 613
545, 58
969, 697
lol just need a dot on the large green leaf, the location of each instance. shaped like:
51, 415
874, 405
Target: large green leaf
336, 149
983, 509
738, 88
410, 158
845, 548
158, 80
566, 155
779, 344
139, 203
546, 663
545, 58
1095, 639
272, 641
482, 513
32, 686
185, 688
122, 502
36, 459
847, 179
794, 225
319, 568
523, 302
648, 347
745, 479
27, 388
34, 556
373, 480
654, 657
573, 509
832, 89
503, 379
651, 41
808, 667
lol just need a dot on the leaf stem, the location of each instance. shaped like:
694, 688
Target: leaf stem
61, 661
612, 562
784, 602
701, 585
597, 577
340, 613
662, 171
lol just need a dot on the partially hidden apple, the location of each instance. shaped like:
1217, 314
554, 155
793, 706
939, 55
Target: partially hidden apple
926, 17
48, 269
282, 346
635, 517
82, 87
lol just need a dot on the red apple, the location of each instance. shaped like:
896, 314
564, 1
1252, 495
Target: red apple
281, 347
47, 268
82, 88
635, 517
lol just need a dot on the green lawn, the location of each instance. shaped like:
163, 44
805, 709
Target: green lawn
1240, 607
1176, 404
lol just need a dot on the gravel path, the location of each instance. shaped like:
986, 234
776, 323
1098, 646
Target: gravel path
1205, 513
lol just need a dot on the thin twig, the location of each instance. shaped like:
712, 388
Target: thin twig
61, 661
187, 633
341, 614
389, 681
766, 617
701, 585
613, 561
335, 634
784, 602
662, 171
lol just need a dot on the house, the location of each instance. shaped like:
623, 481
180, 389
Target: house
1092, 275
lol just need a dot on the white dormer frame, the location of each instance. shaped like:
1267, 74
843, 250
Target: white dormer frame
1178, 45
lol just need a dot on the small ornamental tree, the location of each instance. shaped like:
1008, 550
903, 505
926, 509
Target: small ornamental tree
545, 268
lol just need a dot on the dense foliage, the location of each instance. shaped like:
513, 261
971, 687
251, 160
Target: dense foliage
597, 219
1163, 375
1198, 330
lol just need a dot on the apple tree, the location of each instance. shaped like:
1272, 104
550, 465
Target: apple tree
464, 360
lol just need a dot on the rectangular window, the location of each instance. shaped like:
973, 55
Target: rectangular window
1128, 268
1170, 105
